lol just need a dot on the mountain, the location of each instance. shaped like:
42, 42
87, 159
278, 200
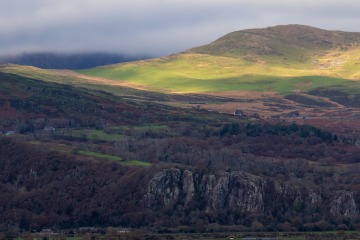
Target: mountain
68, 61
281, 59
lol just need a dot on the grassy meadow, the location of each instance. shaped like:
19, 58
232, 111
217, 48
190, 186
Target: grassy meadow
202, 73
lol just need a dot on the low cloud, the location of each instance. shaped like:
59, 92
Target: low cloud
157, 27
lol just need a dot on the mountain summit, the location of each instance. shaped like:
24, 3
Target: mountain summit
287, 42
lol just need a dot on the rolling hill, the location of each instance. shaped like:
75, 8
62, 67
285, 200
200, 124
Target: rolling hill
281, 59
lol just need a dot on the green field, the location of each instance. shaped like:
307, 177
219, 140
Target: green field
100, 155
113, 158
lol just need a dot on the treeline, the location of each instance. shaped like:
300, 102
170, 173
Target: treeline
202, 143
256, 130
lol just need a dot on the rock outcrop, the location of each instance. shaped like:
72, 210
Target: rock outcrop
242, 193
343, 204
233, 190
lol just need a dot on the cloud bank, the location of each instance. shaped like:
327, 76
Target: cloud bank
157, 27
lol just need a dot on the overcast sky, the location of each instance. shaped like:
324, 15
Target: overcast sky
157, 27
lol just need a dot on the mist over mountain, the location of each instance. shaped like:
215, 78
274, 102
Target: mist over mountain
69, 61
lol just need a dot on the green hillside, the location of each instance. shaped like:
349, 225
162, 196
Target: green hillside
280, 59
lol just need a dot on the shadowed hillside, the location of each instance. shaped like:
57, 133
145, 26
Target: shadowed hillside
68, 61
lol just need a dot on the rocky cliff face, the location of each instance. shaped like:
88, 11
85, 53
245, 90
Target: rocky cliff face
243, 193
343, 204
233, 190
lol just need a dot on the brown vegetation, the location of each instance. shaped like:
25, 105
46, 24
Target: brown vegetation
52, 175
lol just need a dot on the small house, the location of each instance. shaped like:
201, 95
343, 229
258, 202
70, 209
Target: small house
239, 113
49, 129
123, 230
7, 133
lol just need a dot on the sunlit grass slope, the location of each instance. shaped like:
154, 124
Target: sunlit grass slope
75, 79
191, 72
281, 58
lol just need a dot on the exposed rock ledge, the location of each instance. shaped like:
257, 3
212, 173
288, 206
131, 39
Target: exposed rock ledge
243, 193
